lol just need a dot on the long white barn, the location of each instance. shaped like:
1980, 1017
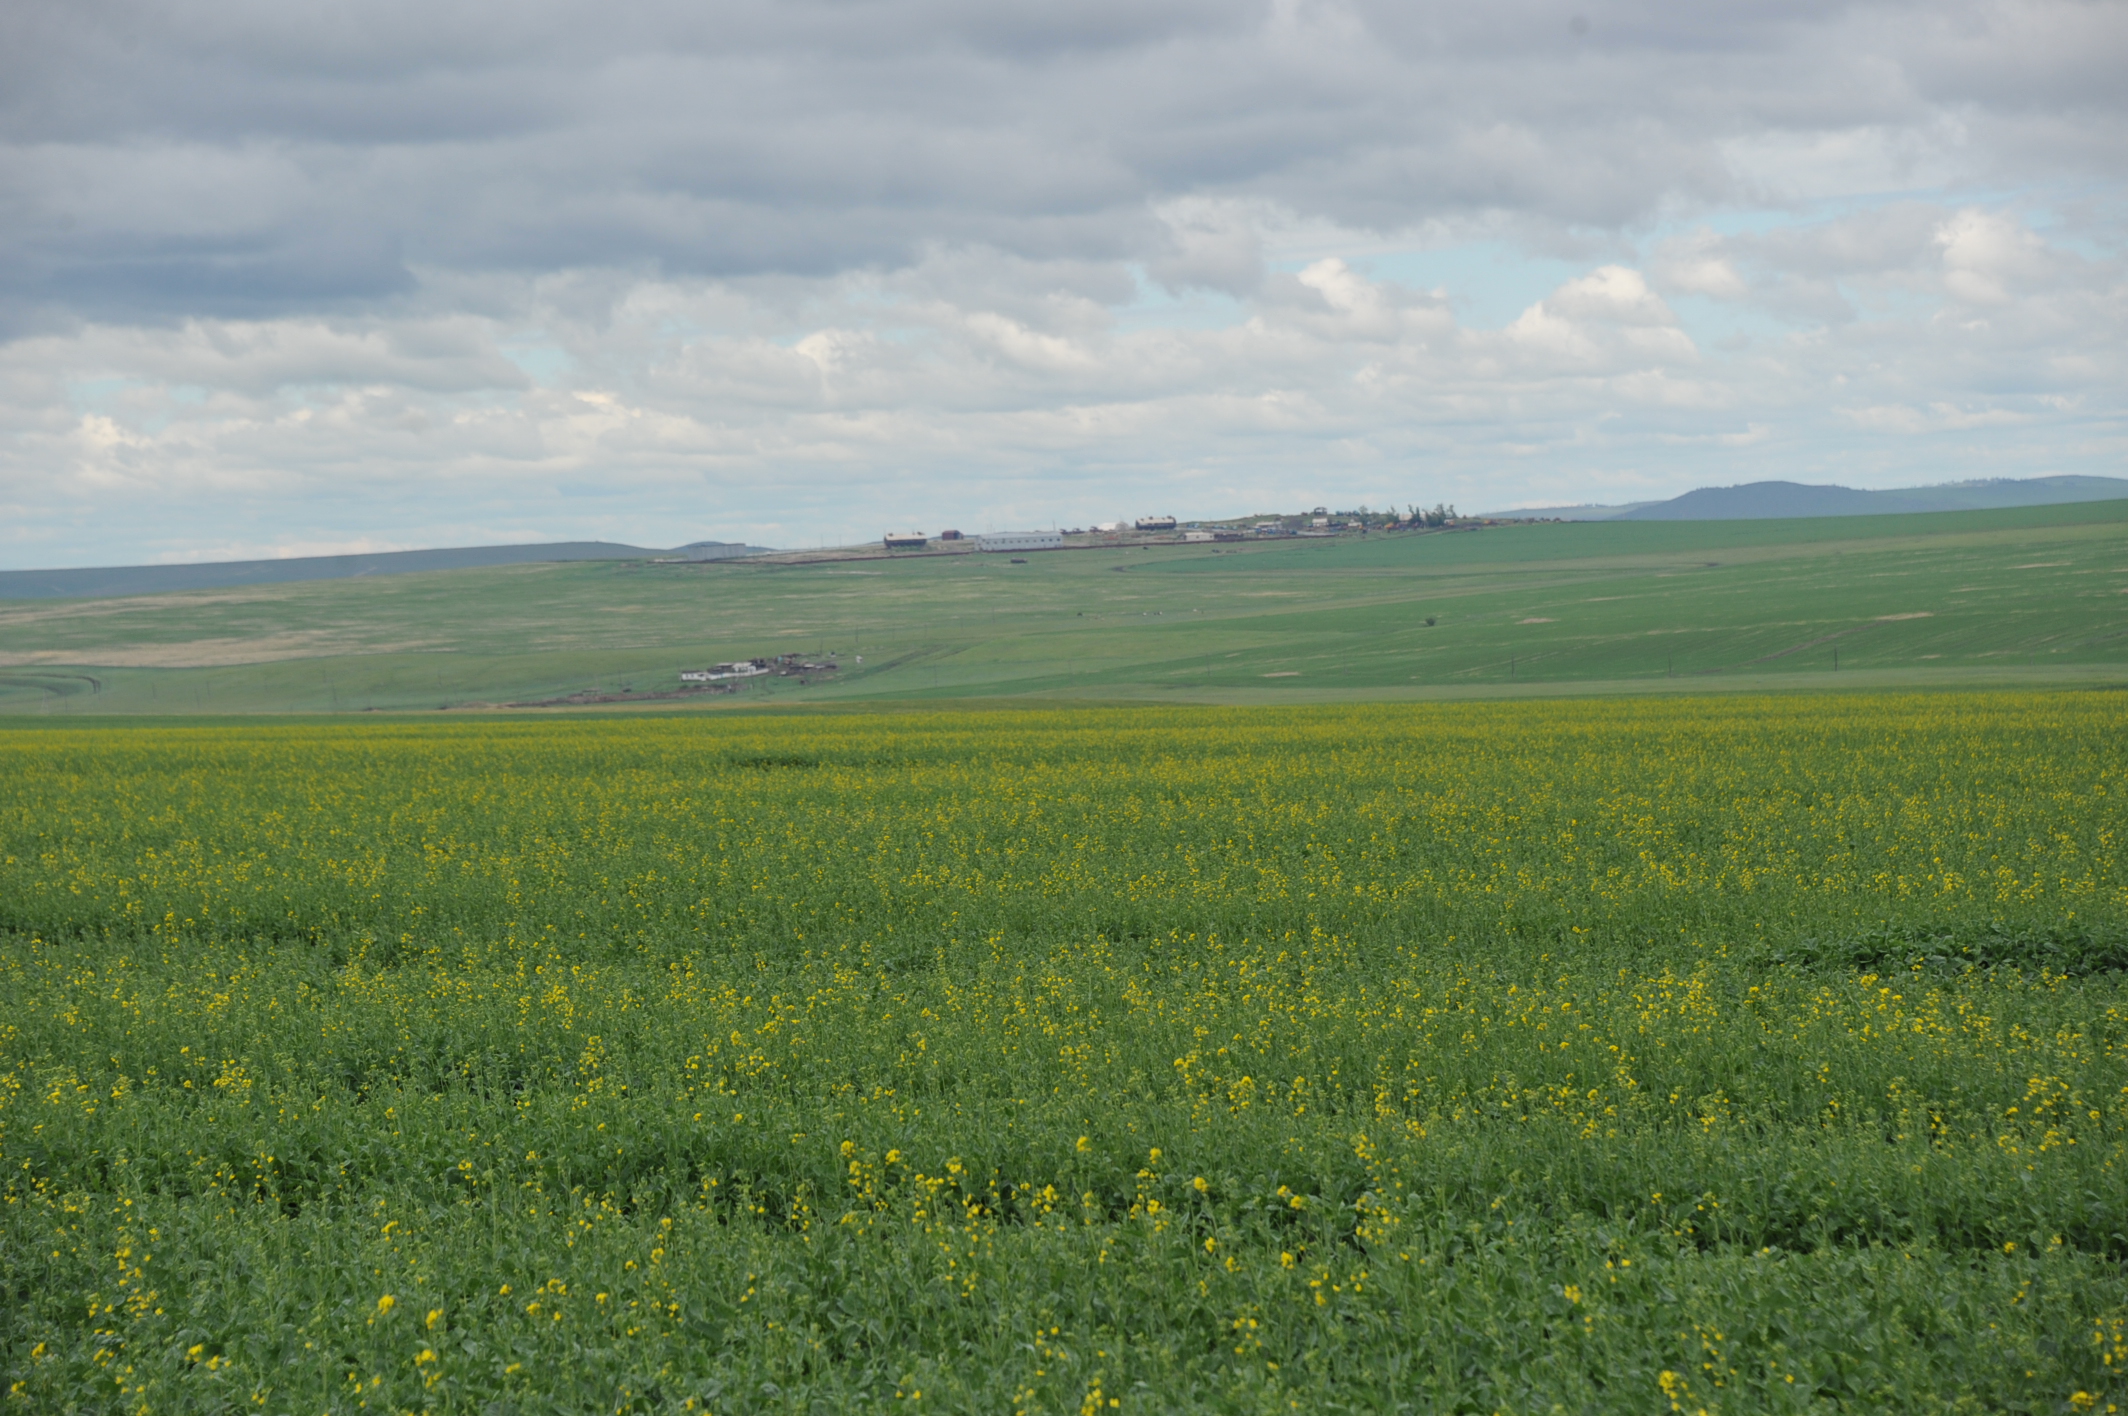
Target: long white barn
1022, 541
717, 673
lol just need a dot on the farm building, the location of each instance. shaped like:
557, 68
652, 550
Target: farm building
1156, 523
906, 540
1022, 541
717, 673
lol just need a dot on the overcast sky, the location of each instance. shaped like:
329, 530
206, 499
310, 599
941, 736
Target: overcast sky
286, 278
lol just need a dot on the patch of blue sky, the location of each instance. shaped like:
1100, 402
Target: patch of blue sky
1895, 302
877, 311
1488, 283
1726, 324
1757, 220
143, 406
682, 329
2086, 244
1156, 307
1761, 221
2090, 224
544, 363
98, 395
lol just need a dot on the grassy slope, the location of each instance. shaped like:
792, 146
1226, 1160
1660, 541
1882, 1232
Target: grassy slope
2031, 595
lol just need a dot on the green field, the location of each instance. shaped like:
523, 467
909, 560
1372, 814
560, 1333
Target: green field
1723, 1054
2032, 595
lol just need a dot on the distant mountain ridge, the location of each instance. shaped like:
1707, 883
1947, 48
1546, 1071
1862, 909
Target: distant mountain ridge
1754, 501
98, 582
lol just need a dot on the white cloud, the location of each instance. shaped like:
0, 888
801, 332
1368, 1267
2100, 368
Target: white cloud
1985, 253
1752, 435
1611, 294
461, 271
1698, 265
1936, 418
1605, 321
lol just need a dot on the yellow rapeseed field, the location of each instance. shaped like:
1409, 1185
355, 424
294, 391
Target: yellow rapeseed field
1651, 1056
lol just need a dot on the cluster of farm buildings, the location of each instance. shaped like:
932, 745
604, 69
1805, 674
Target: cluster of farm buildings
1320, 522
783, 666
1153, 530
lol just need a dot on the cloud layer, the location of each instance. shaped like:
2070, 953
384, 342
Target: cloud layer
277, 276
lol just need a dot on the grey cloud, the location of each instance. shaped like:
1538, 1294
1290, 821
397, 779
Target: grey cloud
1210, 245
813, 138
258, 360
2022, 58
855, 259
1895, 237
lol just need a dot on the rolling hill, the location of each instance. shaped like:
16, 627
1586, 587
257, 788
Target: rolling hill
2029, 595
102, 581
1760, 500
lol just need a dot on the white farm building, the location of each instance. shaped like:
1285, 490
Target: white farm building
1022, 541
718, 673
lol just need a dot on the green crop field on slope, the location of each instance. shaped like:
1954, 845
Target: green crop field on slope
1739, 1054
2030, 595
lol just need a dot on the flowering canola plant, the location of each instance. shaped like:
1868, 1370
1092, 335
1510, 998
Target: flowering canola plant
1682, 1055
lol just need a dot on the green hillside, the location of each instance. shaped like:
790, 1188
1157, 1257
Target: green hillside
2033, 594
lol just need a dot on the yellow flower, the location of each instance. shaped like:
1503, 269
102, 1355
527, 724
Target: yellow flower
384, 1304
